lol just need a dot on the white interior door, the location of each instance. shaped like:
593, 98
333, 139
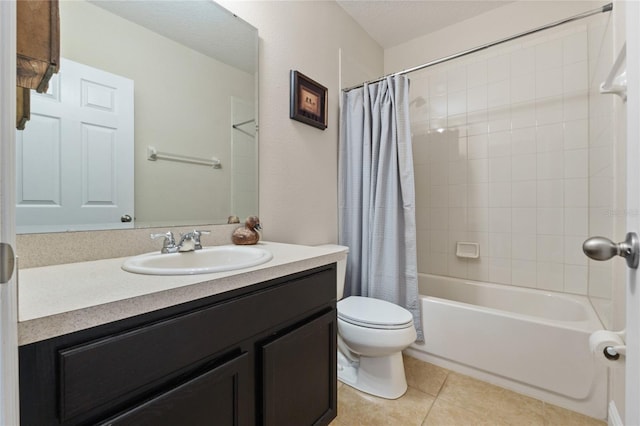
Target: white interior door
9, 399
75, 156
632, 372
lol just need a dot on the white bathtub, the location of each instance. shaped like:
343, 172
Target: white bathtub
530, 341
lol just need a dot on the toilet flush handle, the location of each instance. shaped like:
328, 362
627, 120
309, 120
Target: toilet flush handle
601, 248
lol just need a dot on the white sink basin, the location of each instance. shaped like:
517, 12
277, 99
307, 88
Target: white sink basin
209, 259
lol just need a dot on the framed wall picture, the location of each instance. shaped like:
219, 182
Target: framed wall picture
308, 102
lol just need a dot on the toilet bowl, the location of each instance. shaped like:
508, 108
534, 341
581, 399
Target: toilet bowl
371, 336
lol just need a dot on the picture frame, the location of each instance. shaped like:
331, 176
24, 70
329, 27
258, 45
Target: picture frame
308, 101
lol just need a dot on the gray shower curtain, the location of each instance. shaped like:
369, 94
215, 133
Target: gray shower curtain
376, 195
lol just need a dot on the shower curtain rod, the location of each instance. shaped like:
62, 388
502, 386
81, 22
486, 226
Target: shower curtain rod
606, 8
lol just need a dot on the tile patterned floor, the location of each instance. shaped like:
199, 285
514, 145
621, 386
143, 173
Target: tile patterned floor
439, 397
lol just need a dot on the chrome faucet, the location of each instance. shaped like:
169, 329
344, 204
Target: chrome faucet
169, 243
191, 240
188, 242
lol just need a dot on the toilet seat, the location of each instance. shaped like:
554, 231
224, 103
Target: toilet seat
374, 313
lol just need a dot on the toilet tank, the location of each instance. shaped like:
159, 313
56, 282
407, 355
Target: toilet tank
342, 268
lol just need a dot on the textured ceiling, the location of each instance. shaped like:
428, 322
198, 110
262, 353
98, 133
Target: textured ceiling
199, 24
393, 22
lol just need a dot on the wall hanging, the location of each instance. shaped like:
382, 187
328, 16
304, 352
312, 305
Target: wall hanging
308, 101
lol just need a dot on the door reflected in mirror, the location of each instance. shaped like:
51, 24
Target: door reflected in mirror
193, 69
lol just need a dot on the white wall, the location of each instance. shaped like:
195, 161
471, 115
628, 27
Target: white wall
177, 92
502, 159
298, 163
618, 305
496, 24
606, 174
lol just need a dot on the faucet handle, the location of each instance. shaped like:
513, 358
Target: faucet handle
169, 240
196, 237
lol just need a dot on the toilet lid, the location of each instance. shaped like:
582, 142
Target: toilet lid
373, 313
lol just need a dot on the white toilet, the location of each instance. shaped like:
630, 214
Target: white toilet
371, 336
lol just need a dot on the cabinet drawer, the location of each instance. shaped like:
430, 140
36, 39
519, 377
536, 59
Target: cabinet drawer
97, 376
217, 397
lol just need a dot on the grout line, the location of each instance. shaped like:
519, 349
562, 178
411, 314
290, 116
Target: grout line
443, 383
435, 398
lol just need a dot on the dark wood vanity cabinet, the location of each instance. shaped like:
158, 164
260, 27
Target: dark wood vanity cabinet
265, 354
215, 397
295, 368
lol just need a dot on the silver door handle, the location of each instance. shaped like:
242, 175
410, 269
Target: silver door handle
601, 248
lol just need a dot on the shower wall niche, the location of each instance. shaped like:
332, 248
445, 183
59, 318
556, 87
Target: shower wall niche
513, 149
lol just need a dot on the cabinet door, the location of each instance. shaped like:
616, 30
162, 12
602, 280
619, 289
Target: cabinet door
218, 397
299, 375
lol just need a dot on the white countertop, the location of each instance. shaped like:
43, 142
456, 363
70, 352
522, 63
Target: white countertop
61, 299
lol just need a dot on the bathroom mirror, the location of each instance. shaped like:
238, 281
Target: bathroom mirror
193, 68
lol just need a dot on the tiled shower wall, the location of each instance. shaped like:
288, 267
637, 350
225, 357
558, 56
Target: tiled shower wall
502, 157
